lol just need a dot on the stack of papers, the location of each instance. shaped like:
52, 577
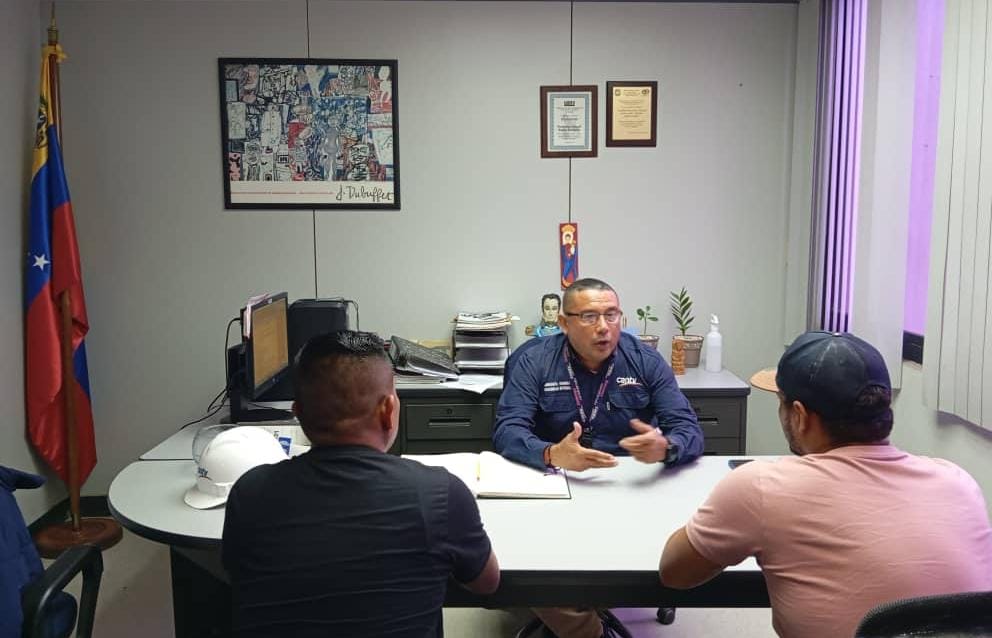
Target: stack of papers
489, 475
406, 378
481, 341
482, 320
482, 358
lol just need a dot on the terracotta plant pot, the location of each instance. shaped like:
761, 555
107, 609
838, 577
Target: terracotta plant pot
692, 345
649, 340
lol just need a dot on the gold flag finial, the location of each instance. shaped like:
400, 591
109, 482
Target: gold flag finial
53, 33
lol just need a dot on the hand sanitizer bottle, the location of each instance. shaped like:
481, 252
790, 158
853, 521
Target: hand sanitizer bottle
714, 346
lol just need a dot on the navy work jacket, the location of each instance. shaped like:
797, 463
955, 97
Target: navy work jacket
537, 406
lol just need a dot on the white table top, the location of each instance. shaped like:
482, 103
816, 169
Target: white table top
700, 379
178, 446
617, 519
147, 497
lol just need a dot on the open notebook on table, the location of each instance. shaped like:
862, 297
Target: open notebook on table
489, 475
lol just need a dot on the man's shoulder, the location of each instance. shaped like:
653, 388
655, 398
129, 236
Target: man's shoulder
786, 475
432, 483
416, 471
261, 476
536, 352
847, 466
435, 487
540, 347
946, 470
638, 353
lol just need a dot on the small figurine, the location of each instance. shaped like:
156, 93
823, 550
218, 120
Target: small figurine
678, 356
550, 305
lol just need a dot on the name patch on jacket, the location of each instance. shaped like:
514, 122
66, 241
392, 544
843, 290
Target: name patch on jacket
555, 386
625, 381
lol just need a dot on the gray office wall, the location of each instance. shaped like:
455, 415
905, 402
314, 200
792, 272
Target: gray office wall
166, 266
20, 40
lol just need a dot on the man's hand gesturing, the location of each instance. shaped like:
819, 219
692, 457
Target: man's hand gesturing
648, 446
570, 455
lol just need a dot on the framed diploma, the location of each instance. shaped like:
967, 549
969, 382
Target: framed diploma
569, 121
632, 113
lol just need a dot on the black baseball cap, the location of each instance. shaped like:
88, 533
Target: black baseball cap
828, 372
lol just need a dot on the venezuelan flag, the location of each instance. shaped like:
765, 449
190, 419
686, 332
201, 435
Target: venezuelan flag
53, 269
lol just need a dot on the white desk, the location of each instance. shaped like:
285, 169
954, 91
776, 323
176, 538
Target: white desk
178, 446
648, 501
601, 546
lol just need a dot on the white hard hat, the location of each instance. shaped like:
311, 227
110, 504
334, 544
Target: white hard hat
229, 455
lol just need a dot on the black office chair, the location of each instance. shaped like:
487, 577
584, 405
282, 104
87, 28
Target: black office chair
944, 616
32, 603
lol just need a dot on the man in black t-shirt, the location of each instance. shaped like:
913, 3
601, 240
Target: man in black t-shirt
347, 540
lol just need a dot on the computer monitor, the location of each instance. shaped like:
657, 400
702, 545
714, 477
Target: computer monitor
266, 344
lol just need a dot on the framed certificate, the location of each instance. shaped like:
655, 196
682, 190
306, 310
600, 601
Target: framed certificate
632, 113
569, 121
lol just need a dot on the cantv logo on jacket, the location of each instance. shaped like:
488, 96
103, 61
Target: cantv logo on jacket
625, 381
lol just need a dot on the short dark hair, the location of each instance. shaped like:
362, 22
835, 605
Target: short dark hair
871, 421
588, 283
550, 295
335, 378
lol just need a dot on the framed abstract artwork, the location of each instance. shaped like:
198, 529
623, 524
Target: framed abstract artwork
309, 133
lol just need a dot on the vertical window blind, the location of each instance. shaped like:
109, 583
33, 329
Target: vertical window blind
837, 160
957, 356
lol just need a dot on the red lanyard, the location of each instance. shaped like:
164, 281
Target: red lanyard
577, 395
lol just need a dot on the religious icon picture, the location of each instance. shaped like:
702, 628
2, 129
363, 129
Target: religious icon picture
568, 236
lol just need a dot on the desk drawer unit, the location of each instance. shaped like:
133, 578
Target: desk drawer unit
722, 423
445, 421
447, 426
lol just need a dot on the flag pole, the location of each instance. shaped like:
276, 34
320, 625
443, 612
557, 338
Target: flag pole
65, 306
104, 532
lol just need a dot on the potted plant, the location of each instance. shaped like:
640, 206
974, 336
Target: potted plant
682, 312
644, 314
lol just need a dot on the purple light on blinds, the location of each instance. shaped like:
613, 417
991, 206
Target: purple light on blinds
842, 80
929, 44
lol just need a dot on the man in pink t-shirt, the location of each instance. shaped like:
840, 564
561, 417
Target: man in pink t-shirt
852, 521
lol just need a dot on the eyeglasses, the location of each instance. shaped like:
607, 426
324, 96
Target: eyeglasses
592, 318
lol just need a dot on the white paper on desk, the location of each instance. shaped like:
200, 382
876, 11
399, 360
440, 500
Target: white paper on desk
477, 383
246, 320
502, 478
489, 475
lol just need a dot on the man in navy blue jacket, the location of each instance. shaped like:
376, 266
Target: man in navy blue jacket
577, 398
